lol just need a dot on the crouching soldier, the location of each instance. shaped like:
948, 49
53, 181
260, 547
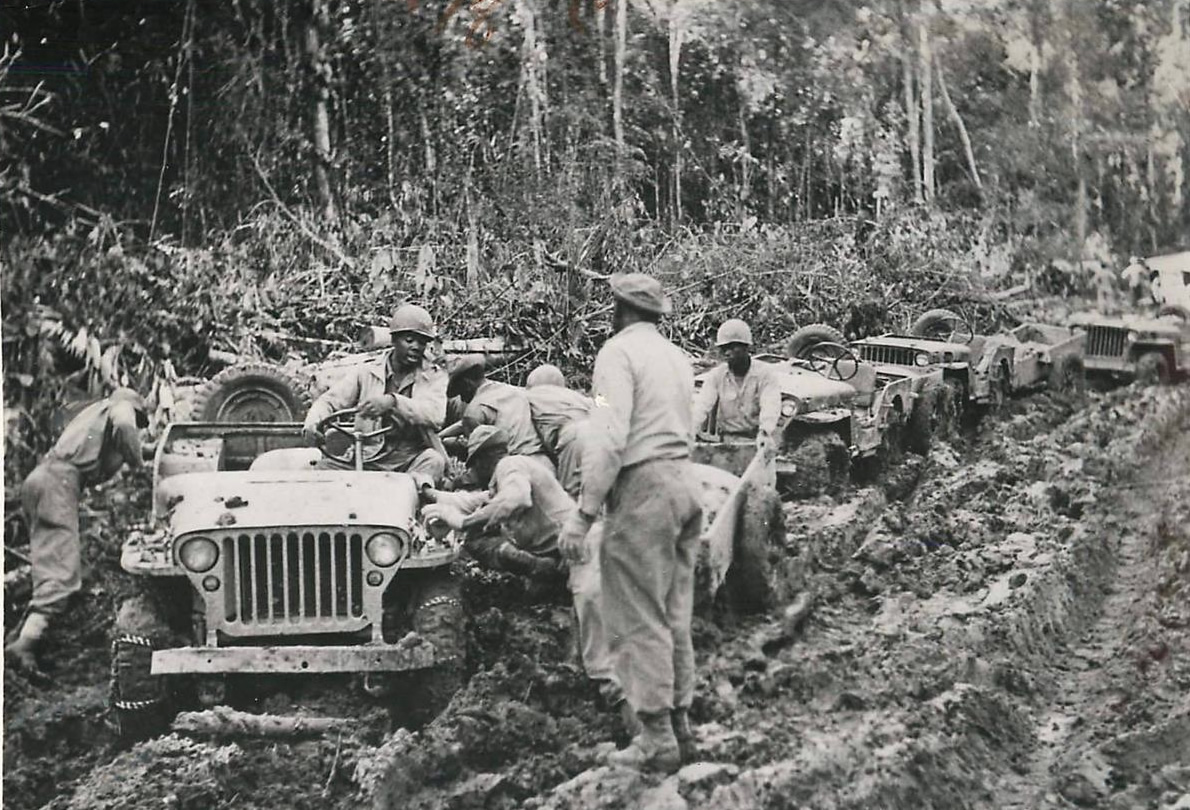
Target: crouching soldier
560, 416
94, 446
527, 506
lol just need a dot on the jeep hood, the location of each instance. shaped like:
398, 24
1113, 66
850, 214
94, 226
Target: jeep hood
957, 350
1171, 326
234, 501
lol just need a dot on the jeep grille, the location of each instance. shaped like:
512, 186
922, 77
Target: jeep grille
277, 578
892, 355
1107, 341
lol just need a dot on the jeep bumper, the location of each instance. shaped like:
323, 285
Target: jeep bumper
293, 659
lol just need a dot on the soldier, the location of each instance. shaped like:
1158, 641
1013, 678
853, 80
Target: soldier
560, 416
404, 388
1136, 280
489, 402
94, 446
527, 507
637, 459
744, 397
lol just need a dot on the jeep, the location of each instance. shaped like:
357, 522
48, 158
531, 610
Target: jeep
256, 562
1150, 349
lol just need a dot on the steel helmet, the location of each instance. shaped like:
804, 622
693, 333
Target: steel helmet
733, 331
545, 374
412, 318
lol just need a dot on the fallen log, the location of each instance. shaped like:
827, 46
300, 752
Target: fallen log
223, 721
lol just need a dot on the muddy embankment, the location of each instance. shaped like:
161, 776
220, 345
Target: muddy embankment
1001, 624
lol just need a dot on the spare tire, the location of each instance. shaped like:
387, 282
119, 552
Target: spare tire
811, 335
927, 325
253, 392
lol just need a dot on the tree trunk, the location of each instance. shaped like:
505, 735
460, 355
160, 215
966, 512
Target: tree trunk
600, 29
618, 82
1076, 134
912, 114
530, 54
675, 54
925, 60
316, 34
953, 112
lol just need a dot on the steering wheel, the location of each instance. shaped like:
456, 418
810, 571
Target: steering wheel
343, 422
831, 360
960, 330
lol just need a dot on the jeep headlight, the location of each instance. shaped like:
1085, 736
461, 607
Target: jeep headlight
921, 359
1133, 336
198, 554
789, 407
385, 548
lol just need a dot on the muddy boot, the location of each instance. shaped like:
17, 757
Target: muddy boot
654, 749
21, 654
685, 737
628, 720
518, 561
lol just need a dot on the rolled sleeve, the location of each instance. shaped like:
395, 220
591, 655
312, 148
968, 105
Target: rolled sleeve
611, 417
770, 404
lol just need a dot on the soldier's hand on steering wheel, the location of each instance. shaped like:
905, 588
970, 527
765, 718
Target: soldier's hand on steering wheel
312, 436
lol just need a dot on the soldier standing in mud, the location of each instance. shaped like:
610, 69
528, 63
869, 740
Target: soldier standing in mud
94, 446
406, 389
560, 416
636, 458
744, 397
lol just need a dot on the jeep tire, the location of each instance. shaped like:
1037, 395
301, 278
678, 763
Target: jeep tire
823, 464
936, 415
253, 392
930, 324
1152, 368
811, 335
759, 531
437, 615
141, 704
1068, 376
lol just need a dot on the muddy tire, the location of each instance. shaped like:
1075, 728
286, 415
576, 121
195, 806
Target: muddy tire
1152, 368
1068, 377
933, 323
141, 704
254, 392
936, 416
811, 335
761, 529
823, 465
438, 617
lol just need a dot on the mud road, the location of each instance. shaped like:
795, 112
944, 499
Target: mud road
1001, 625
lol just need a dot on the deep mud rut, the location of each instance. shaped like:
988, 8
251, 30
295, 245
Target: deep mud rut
1003, 624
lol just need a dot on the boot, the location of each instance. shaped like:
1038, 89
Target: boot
654, 749
685, 737
628, 720
22, 652
518, 561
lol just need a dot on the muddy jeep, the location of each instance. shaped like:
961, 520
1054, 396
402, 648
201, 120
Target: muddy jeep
1045, 356
975, 369
257, 563
813, 454
1146, 348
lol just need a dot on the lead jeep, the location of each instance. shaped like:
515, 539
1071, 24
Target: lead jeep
1146, 348
258, 563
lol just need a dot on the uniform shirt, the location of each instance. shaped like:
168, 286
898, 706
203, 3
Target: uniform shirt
100, 440
506, 407
553, 407
534, 501
420, 398
743, 405
643, 388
